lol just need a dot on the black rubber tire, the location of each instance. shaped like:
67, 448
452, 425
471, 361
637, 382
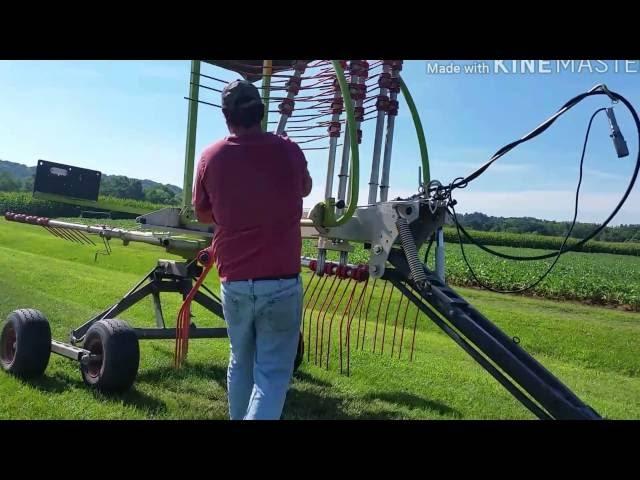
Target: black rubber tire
299, 354
118, 344
25, 343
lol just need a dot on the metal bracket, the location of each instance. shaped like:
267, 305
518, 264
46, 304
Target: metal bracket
335, 245
174, 220
375, 225
389, 232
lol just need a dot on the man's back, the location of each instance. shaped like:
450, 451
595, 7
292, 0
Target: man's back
253, 184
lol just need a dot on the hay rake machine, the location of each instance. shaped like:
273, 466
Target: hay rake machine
348, 307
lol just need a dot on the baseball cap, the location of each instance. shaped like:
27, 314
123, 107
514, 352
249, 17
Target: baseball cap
240, 94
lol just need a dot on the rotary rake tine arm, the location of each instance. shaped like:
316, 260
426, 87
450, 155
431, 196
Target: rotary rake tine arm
57, 229
341, 297
321, 311
366, 314
345, 312
375, 334
310, 305
79, 233
348, 339
325, 306
344, 284
386, 316
466, 346
489, 346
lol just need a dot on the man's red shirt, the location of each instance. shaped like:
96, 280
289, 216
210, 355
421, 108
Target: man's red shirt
253, 187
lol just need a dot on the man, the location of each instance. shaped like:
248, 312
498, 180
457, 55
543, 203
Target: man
251, 185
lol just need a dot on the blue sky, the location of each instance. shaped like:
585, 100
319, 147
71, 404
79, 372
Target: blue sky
129, 117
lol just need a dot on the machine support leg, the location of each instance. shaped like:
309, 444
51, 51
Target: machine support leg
157, 308
158, 280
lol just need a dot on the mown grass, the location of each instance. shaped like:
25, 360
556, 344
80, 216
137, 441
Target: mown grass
593, 350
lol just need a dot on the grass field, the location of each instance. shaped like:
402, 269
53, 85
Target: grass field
596, 278
600, 279
593, 350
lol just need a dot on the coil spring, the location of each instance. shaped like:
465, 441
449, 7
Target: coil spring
411, 252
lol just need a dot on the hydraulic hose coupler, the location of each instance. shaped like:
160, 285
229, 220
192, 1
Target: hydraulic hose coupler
616, 135
204, 257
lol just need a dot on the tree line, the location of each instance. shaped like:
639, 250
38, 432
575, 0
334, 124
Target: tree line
118, 186
486, 223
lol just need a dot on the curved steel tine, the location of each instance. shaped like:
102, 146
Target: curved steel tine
65, 235
361, 306
413, 340
330, 294
308, 284
106, 252
76, 235
395, 326
357, 309
87, 238
386, 315
52, 231
324, 316
304, 296
375, 334
360, 302
366, 316
311, 308
349, 280
404, 319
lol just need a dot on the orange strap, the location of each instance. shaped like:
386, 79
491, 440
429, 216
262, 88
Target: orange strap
184, 315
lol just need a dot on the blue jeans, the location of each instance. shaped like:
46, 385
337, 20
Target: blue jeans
263, 320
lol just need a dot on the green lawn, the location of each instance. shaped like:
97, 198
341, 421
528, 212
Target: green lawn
593, 350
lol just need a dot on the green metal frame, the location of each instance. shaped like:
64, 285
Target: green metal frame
424, 154
192, 127
329, 217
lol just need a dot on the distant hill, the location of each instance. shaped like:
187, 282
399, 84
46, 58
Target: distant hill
22, 172
120, 186
149, 184
17, 170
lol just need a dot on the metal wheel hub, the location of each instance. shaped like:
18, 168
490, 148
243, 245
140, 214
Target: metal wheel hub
9, 345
